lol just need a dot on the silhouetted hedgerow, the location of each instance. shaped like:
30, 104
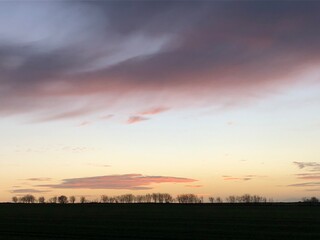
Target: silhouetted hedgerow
151, 198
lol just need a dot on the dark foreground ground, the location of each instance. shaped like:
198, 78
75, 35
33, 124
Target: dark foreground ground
159, 221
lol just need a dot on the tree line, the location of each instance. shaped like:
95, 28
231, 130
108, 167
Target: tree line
310, 200
146, 198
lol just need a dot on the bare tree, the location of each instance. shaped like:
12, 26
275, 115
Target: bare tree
28, 199
188, 198
167, 198
154, 197
15, 199
246, 198
53, 200
231, 199
72, 199
148, 198
160, 197
128, 198
83, 199
314, 200
310, 200
104, 199
62, 199
140, 198
41, 200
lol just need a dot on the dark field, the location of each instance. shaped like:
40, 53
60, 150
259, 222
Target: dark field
159, 221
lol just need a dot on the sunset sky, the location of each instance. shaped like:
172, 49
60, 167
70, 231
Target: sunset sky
213, 98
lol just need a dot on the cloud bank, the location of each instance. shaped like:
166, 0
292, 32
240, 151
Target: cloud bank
126, 181
63, 60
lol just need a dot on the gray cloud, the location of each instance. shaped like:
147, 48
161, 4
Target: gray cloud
305, 184
313, 173
79, 56
310, 176
38, 179
308, 166
28, 190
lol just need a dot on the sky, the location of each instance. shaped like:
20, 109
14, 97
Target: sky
214, 98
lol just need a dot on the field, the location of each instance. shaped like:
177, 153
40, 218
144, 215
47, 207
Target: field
159, 221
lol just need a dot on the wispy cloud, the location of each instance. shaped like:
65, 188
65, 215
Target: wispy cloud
136, 119
312, 173
43, 179
84, 123
76, 149
194, 186
28, 190
98, 165
153, 111
106, 117
242, 178
65, 115
53, 148
308, 176
308, 166
237, 179
126, 181
313, 190
305, 184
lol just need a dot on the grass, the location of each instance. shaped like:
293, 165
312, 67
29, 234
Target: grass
159, 221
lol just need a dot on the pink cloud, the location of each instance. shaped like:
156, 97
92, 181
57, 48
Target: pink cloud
308, 176
242, 178
136, 119
194, 186
65, 115
153, 111
229, 178
197, 63
312, 174
84, 123
106, 117
126, 181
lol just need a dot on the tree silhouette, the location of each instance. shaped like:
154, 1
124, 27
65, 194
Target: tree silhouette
188, 198
53, 200
28, 199
62, 199
231, 199
72, 199
310, 200
41, 200
83, 199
